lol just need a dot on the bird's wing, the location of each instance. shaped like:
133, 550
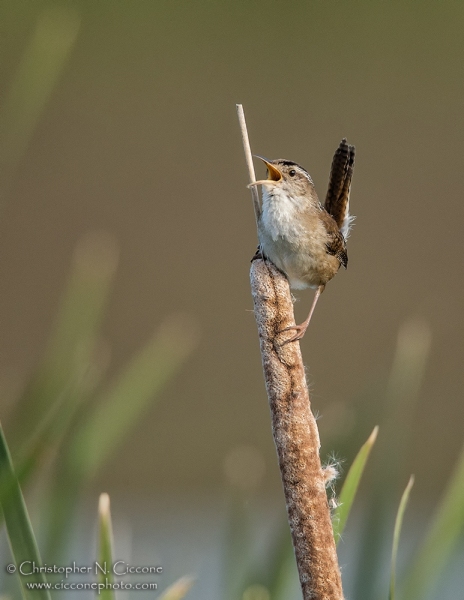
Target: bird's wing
336, 244
337, 201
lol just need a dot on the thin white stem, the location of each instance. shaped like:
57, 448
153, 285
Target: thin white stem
249, 161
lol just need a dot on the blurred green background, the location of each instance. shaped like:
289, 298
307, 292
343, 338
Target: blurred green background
119, 137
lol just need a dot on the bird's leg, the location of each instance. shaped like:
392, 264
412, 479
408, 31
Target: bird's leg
301, 329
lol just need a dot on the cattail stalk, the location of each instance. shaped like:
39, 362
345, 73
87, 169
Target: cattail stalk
296, 437
295, 430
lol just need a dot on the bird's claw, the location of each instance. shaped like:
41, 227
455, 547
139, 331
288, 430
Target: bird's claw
300, 331
258, 254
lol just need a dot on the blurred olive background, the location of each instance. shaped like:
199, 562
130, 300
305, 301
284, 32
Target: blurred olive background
135, 134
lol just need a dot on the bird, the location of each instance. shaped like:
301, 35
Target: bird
301, 237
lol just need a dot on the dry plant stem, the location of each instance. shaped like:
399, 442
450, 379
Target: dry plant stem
296, 437
249, 160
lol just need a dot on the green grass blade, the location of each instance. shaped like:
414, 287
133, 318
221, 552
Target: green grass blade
120, 407
116, 412
58, 512
442, 538
71, 364
41, 65
48, 434
256, 591
402, 396
71, 367
236, 557
178, 590
351, 484
283, 567
20, 535
396, 534
105, 555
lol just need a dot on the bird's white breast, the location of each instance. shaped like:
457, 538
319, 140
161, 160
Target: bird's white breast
280, 217
293, 237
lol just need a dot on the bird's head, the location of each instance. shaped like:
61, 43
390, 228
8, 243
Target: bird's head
287, 176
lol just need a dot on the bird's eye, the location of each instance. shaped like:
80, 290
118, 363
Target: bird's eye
292, 173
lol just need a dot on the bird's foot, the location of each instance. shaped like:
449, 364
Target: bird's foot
300, 331
258, 254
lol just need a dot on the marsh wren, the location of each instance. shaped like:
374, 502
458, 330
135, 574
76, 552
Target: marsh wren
305, 240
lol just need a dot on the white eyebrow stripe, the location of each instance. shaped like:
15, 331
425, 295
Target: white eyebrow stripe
306, 174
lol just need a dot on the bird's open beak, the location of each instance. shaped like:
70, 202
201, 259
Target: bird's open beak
274, 175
